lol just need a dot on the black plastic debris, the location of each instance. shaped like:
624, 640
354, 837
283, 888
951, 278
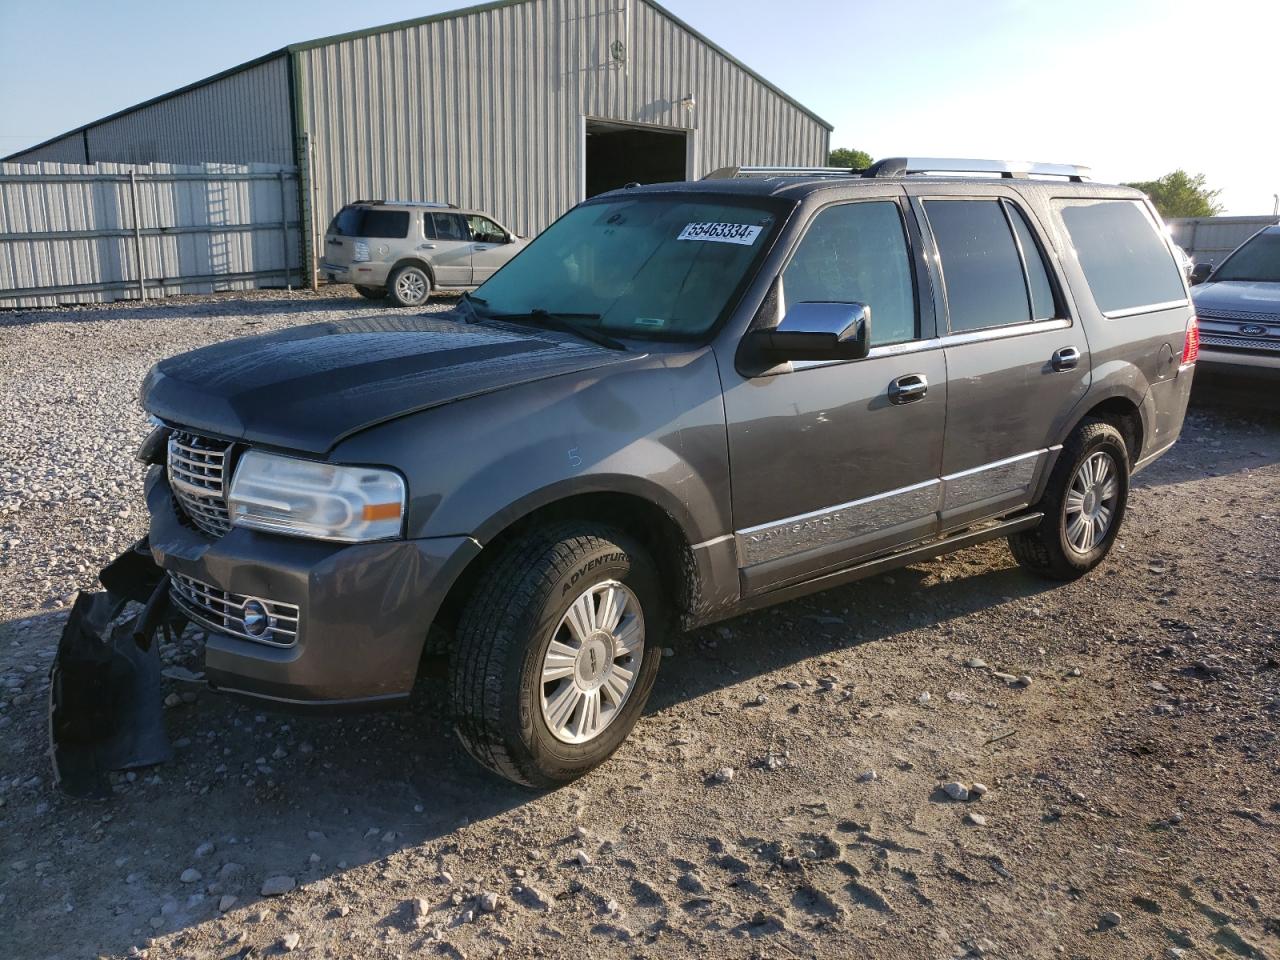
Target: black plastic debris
105, 708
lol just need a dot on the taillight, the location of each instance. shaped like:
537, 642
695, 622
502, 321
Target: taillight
1191, 346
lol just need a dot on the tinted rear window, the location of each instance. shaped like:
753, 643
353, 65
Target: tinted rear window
1043, 306
447, 226
368, 222
1125, 260
981, 268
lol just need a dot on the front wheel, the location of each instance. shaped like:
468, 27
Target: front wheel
409, 286
1084, 504
557, 651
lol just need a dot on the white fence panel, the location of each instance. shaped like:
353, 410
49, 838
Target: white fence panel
71, 233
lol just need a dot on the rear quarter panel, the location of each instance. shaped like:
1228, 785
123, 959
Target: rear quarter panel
1131, 353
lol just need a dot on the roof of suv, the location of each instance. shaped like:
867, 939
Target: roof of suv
798, 182
419, 205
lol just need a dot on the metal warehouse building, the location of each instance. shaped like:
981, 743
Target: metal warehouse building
518, 107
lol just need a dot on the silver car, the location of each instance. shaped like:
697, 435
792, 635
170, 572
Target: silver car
405, 250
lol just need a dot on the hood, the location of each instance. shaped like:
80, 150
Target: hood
1246, 296
307, 388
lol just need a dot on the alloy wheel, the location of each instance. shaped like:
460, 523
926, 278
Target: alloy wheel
411, 286
593, 660
1090, 505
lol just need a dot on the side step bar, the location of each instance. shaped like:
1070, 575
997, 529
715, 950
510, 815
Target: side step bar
870, 568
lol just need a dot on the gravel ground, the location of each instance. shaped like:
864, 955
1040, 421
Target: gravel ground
785, 795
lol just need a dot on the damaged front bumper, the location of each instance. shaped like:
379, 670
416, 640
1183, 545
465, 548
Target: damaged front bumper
362, 610
340, 626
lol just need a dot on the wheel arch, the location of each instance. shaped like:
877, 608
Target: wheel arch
411, 262
638, 515
1124, 409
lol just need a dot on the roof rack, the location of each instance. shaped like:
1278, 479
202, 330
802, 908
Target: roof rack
908, 166
737, 172
1019, 169
410, 203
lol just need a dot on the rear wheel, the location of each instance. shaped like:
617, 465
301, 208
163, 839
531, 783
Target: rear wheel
371, 293
409, 286
557, 651
1084, 504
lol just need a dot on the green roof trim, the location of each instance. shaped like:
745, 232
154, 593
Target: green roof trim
295, 48
85, 127
737, 63
499, 4
402, 25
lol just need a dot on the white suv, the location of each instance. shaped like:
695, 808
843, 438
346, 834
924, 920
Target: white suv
407, 249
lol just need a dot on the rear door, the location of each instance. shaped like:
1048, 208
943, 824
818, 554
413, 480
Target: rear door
492, 247
1017, 363
448, 248
831, 462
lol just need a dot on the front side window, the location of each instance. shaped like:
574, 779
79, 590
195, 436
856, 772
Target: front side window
656, 266
982, 266
857, 253
370, 222
1125, 259
484, 230
1258, 260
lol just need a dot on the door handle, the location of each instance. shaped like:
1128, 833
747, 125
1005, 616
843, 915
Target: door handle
1068, 358
908, 388
426, 246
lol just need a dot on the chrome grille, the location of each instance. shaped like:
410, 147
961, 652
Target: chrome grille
1237, 315
1240, 343
225, 612
196, 466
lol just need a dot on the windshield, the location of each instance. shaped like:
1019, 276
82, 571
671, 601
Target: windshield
1258, 259
659, 267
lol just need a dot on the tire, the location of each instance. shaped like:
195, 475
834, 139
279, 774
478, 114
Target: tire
410, 286
1058, 548
521, 604
371, 293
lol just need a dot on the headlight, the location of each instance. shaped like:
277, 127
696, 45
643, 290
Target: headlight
322, 500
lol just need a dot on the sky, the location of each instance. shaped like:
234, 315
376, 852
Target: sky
1131, 88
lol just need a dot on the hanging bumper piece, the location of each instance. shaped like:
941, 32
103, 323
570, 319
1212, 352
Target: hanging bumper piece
105, 709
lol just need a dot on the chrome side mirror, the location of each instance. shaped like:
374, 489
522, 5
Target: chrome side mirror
817, 331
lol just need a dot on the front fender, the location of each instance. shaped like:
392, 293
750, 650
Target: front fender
653, 428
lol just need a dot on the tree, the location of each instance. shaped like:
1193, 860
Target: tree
1179, 194
847, 157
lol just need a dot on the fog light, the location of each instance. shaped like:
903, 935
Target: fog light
256, 619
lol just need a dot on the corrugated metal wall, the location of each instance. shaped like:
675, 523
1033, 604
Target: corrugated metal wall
68, 149
484, 110
242, 117
1211, 239
67, 231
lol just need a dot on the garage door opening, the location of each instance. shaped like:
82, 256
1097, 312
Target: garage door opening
618, 154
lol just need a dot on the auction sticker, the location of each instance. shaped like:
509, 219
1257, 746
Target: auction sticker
740, 233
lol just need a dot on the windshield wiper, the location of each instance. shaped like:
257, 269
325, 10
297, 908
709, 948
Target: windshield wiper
565, 323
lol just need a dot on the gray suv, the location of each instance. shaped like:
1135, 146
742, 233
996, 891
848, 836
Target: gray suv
682, 402
403, 250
